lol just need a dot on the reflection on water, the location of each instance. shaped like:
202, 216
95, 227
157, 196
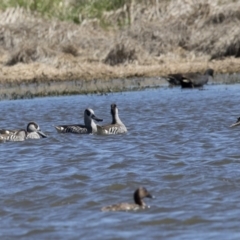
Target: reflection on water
179, 146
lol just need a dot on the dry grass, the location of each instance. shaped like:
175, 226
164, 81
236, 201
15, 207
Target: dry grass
173, 36
37, 72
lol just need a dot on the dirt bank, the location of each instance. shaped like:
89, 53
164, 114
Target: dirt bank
161, 38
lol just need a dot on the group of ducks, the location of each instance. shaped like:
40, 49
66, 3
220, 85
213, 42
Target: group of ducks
190, 80
115, 127
33, 130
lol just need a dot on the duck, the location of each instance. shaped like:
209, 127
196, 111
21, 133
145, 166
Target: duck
174, 79
33, 131
237, 123
18, 136
195, 80
190, 80
116, 126
88, 127
138, 195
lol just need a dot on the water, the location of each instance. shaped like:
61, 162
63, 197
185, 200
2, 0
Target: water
179, 146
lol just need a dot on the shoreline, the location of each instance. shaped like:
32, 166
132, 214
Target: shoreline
25, 81
47, 56
73, 87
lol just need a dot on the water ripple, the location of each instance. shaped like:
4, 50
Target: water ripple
179, 146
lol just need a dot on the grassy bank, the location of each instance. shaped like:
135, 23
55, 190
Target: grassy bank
66, 10
41, 42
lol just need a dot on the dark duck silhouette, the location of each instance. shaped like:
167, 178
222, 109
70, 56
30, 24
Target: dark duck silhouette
190, 80
174, 79
138, 195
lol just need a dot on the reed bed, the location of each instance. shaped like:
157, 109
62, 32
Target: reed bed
137, 38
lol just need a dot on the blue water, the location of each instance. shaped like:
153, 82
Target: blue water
179, 146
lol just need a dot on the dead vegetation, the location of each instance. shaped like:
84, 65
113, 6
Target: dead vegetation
163, 36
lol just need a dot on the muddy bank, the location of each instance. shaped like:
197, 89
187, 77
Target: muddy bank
23, 90
56, 88
36, 79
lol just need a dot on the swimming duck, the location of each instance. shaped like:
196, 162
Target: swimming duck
116, 126
17, 136
33, 131
138, 195
237, 123
89, 127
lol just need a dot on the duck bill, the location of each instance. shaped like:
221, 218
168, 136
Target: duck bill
235, 124
42, 134
150, 196
96, 119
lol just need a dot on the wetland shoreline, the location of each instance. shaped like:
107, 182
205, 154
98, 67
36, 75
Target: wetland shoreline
42, 56
66, 83
36, 80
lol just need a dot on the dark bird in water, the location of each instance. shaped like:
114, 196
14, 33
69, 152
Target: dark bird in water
190, 80
138, 195
237, 123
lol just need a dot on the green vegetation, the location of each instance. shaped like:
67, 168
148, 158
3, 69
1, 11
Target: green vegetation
70, 10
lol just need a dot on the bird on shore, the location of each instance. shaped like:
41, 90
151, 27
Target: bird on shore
116, 126
138, 195
88, 127
190, 80
237, 123
174, 79
196, 80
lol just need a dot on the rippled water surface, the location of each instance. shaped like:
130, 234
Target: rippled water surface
179, 146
